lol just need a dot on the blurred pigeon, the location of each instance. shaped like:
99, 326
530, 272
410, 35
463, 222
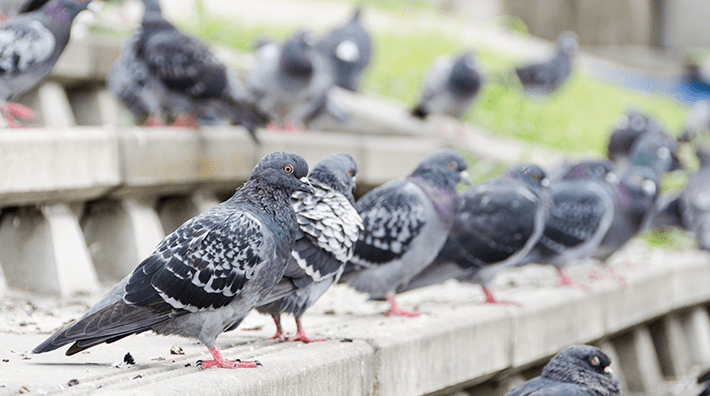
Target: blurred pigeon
627, 129
349, 48
656, 151
694, 201
450, 86
500, 221
291, 81
406, 222
162, 71
328, 229
698, 121
705, 379
206, 276
30, 45
546, 77
11, 8
582, 212
579, 370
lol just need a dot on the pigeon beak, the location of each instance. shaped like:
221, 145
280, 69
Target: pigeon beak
306, 186
464, 178
611, 178
545, 182
608, 370
649, 187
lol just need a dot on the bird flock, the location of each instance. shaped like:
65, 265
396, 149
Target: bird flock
287, 235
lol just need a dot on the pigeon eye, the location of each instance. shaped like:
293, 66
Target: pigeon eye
452, 165
288, 169
350, 172
594, 361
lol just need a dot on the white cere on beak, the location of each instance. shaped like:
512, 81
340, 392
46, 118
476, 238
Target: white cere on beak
347, 51
649, 187
608, 370
354, 179
663, 153
463, 177
545, 182
611, 178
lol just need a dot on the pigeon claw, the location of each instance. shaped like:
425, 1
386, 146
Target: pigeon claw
304, 338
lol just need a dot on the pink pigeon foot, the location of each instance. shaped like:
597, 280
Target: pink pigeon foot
491, 299
280, 336
301, 335
186, 121
11, 110
219, 361
395, 310
567, 280
610, 273
154, 121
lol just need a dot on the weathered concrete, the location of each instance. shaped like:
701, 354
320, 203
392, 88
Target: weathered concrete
638, 357
696, 326
671, 345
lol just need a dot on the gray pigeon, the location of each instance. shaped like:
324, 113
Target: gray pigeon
349, 48
328, 229
11, 8
30, 45
205, 277
629, 127
656, 151
450, 86
290, 82
546, 77
582, 211
697, 122
164, 72
406, 222
499, 223
579, 370
694, 201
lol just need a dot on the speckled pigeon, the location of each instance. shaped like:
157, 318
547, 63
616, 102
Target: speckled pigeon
582, 211
164, 72
450, 86
290, 82
499, 223
349, 49
205, 277
546, 77
406, 222
328, 229
579, 370
30, 45
694, 201
628, 128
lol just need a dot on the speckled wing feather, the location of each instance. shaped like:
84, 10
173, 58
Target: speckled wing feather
23, 44
391, 219
545, 387
131, 81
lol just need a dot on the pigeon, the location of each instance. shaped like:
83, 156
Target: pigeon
656, 151
290, 82
579, 370
11, 8
450, 86
406, 222
546, 77
164, 72
205, 277
698, 121
30, 45
583, 209
349, 49
328, 230
694, 201
499, 223
627, 129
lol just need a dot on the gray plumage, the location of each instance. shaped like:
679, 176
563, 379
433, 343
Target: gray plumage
290, 82
694, 201
629, 127
579, 370
349, 49
12, 8
406, 222
499, 223
164, 72
697, 122
31, 43
207, 275
655, 151
450, 86
546, 77
328, 230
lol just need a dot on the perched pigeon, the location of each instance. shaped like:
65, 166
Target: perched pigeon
656, 151
406, 222
628, 128
30, 45
579, 370
349, 48
290, 82
694, 201
499, 223
328, 229
205, 277
546, 77
163, 72
582, 212
450, 86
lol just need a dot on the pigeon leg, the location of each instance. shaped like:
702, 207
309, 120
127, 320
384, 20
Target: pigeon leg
567, 280
279, 330
154, 121
610, 273
219, 361
186, 121
395, 310
301, 335
10, 110
491, 299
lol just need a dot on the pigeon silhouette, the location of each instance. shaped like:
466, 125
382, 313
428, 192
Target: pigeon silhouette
406, 222
205, 277
694, 201
546, 77
629, 127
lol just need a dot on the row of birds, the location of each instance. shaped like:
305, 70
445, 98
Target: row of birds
165, 75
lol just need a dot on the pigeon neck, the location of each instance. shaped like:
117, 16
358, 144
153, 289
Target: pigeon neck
267, 200
61, 16
463, 79
444, 197
600, 384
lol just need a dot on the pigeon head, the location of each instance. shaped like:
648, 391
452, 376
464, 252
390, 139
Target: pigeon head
598, 169
338, 172
585, 365
282, 170
568, 43
296, 54
444, 168
530, 174
655, 151
465, 78
637, 192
